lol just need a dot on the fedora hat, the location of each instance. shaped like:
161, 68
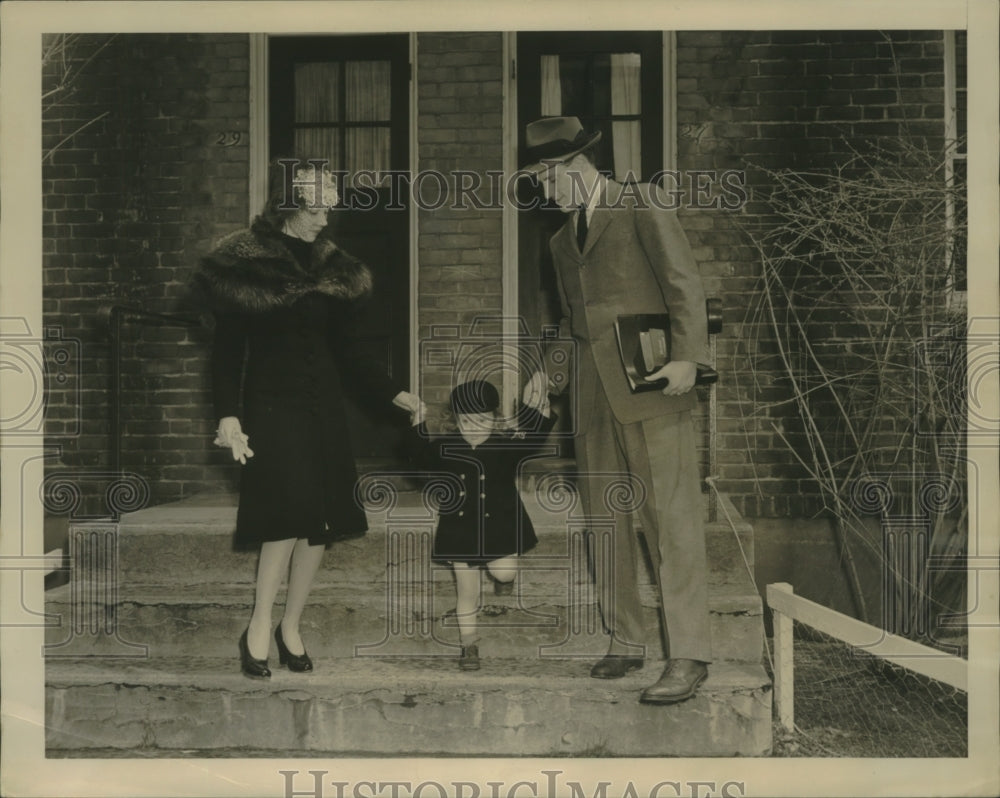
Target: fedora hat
555, 139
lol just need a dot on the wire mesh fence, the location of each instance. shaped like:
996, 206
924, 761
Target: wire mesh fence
849, 703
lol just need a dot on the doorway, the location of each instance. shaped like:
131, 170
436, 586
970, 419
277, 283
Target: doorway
612, 81
346, 99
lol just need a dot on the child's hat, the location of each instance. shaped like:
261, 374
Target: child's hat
475, 396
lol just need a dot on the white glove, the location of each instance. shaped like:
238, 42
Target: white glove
411, 403
230, 435
536, 393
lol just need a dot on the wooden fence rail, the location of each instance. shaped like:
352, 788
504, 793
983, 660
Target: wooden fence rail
788, 607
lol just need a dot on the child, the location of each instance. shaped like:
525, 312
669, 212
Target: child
489, 526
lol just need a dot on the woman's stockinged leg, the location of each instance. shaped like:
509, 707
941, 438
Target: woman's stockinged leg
467, 605
306, 560
271, 570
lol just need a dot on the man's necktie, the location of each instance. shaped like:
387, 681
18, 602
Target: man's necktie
581, 227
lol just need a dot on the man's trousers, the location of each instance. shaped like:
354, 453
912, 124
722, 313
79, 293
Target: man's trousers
660, 455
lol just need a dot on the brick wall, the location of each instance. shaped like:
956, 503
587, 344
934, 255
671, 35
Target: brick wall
130, 202
460, 128
774, 100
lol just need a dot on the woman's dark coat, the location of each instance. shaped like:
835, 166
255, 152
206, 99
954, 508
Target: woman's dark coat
482, 518
280, 307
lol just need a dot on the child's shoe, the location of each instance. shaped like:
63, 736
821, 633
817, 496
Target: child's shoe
469, 661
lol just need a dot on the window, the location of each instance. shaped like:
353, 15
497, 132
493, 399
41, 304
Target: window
346, 98
604, 89
340, 98
612, 81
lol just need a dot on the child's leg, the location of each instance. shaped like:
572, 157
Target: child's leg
467, 584
504, 569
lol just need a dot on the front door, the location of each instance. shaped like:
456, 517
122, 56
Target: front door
346, 99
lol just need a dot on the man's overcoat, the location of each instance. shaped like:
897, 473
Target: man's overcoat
636, 260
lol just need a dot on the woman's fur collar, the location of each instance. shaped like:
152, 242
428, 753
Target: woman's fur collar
252, 271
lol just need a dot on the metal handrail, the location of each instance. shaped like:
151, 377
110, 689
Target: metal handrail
116, 316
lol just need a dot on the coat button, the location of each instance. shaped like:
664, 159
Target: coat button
482, 495
486, 515
461, 512
482, 476
461, 493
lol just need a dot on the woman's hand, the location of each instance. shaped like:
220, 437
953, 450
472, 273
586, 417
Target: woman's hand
536, 393
412, 404
230, 435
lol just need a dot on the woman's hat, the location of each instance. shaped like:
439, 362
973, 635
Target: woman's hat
555, 139
475, 396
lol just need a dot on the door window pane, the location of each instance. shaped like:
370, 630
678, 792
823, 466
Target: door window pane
585, 85
551, 86
368, 91
626, 100
367, 148
318, 142
317, 92
604, 91
625, 97
627, 150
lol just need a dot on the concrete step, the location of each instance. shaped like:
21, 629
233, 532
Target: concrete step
397, 707
190, 543
342, 620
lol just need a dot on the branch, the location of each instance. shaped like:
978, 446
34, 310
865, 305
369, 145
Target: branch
82, 127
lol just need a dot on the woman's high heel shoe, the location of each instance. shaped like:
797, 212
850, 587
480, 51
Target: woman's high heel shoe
300, 663
253, 668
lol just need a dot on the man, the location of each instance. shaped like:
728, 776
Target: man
619, 253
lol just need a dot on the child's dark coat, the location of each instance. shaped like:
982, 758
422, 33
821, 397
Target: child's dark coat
487, 520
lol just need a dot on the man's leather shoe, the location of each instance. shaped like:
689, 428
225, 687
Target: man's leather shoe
679, 681
615, 666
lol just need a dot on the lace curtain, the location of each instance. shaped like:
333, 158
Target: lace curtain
367, 100
625, 101
551, 86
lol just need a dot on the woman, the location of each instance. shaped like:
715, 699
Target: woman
280, 292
